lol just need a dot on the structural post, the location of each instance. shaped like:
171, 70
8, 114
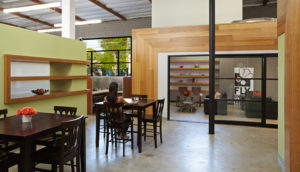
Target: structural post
68, 18
212, 66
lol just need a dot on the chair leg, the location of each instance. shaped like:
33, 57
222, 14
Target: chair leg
124, 134
107, 140
77, 164
145, 130
155, 134
115, 138
112, 136
160, 131
61, 167
53, 167
72, 165
131, 135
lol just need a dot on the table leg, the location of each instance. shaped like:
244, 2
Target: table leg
97, 128
26, 156
83, 149
139, 139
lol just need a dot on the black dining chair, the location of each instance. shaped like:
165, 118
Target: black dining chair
66, 149
117, 122
156, 121
6, 145
65, 110
8, 159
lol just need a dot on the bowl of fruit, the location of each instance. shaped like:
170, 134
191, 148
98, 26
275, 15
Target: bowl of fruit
39, 91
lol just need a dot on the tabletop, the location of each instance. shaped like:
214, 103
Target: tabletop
140, 102
14, 127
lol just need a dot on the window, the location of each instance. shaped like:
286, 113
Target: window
109, 56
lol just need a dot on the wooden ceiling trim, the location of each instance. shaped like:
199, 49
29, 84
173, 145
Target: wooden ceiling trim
58, 10
103, 6
30, 18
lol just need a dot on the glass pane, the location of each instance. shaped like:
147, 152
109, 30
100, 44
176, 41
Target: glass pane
272, 67
125, 56
105, 57
125, 69
238, 111
108, 44
239, 67
240, 89
272, 102
105, 70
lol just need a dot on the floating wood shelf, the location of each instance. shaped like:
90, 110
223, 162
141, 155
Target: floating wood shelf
191, 76
202, 91
191, 83
205, 68
47, 96
192, 61
30, 78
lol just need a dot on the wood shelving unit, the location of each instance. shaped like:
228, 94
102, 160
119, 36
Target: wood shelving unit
191, 83
191, 76
202, 91
31, 78
203, 68
192, 61
60, 77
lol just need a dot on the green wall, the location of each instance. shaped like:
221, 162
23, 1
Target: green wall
19, 41
281, 47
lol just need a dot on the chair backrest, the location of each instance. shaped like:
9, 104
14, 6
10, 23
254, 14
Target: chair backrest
3, 113
182, 90
114, 112
159, 109
140, 96
64, 110
196, 91
71, 136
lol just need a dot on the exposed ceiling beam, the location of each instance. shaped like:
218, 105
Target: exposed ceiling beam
58, 10
108, 9
150, 1
12, 25
265, 2
30, 18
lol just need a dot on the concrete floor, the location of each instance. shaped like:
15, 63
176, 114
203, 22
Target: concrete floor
188, 148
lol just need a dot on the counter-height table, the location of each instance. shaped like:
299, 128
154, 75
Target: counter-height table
42, 124
140, 107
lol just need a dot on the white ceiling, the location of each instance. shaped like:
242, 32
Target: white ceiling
86, 10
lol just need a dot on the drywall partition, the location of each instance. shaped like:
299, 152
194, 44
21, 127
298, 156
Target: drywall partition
166, 13
17, 41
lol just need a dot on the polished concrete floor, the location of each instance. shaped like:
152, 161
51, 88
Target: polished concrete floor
187, 147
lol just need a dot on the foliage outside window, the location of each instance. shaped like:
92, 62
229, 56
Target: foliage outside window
109, 56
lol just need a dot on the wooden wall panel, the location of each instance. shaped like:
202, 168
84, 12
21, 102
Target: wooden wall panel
292, 82
281, 16
147, 43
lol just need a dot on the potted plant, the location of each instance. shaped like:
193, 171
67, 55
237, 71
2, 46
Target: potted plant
27, 113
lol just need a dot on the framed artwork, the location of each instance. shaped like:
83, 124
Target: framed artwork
243, 80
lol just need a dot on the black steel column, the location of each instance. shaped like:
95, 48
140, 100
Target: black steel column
92, 63
118, 63
263, 89
211, 66
169, 88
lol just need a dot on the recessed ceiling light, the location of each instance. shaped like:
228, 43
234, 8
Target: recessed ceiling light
50, 30
81, 23
33, 7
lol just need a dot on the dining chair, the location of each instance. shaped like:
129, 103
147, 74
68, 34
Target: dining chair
154, 119
5, 144
196, 98
66, 149
8, 159
50, 139
117, 122
65, 110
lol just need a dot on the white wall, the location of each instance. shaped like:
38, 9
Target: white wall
166, 13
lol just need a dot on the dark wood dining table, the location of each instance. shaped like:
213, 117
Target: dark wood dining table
42, 124
140, 107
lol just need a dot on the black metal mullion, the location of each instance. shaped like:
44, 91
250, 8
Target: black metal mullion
92, 64
212, 67
264, 90
118, 56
